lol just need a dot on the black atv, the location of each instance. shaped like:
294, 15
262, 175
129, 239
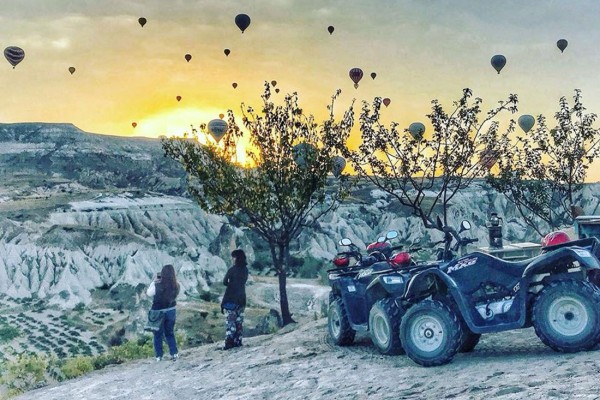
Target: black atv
362, 297
556, 292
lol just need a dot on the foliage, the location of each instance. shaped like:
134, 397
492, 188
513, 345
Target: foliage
25, 373
285, 187
424, 172
8, 333
543, 173
78, 366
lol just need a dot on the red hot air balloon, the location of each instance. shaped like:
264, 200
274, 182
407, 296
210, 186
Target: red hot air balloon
226, 51
72, 70
242, 21
330, 29
386, 102
134, 124
14, 55
142, 21
234, 85
188, 57
356, 75
178, 98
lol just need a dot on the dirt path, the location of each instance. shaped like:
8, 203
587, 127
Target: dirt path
301, 363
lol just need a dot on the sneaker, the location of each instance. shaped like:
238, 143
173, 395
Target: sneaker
175, 357
158, 359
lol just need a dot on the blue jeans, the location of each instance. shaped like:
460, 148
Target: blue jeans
168, 331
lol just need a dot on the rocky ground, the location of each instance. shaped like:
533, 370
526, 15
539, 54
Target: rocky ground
299, 362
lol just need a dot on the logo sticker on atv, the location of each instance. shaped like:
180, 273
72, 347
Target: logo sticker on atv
352, 288
364, 272
462, 264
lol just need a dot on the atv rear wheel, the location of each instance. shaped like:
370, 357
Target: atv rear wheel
338, 324
431, 333
566, 316
384, 327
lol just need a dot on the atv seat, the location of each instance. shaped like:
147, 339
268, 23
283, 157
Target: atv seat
514, 268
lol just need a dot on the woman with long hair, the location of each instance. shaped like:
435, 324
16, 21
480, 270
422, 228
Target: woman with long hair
164, 290
234, 299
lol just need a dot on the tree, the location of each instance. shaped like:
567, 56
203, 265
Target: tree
542, 172
425, 172
285, 189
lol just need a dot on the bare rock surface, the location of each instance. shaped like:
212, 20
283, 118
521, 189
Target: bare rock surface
299, 362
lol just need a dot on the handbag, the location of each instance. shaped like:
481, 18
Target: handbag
155, 320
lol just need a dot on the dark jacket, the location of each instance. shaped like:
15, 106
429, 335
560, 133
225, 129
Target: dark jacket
162, 299
235, 280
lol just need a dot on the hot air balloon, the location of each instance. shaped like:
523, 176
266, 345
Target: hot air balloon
14, 55
234, 85
562, 44
487, 158
178, 98
277, 90
226, 51
526, 122
498, 62
242, 21
221, 116
72, 70
339, 163
142, 21
330, 29
373, 75
386, 102
273, 83
356, 75
217, 129
416, 130
134, 124
188, 57
304, 153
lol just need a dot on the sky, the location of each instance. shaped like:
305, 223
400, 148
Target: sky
420, 50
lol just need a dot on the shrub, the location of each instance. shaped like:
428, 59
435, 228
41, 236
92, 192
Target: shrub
8, 333
78, 366
25, 373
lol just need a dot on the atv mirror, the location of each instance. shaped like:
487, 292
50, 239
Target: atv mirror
345, 242
381, 239
391, 235
465, 225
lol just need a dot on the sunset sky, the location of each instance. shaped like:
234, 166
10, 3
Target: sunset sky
420, 49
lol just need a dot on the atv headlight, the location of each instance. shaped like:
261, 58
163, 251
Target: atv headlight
392, 280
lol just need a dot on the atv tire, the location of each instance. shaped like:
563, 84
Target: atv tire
469, 341
431, 333
384, 327
338, 324
566, 316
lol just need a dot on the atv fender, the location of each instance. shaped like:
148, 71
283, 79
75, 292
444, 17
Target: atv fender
388, 284
546, 262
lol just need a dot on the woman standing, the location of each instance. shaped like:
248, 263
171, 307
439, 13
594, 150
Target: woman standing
165, 289
234, 299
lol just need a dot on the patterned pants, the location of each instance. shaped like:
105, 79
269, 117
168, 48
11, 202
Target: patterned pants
234, 320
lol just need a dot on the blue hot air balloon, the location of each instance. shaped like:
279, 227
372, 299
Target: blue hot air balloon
562, 44
498, 62
14, 55
416, 130
526, 122
242, 21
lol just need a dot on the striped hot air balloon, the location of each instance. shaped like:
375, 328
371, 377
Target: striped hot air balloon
356, 75
14, 55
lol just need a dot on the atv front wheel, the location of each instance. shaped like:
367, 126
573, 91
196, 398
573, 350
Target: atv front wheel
338, 324
566, 316
384, 327
431, 333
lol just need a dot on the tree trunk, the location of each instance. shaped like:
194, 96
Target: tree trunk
279, 257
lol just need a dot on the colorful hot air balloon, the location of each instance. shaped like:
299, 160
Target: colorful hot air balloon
304, 153
178, 98
217, 129
487, 158
356, 75
416, 130
526, 122
330, 29
273, 83
188, 57
386, 102
234, 84
226, 51
134, 124
242, 21
14, 55
373, 75
72, 70
339, 163
562, 44
498, 62
142, 21
221, 116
